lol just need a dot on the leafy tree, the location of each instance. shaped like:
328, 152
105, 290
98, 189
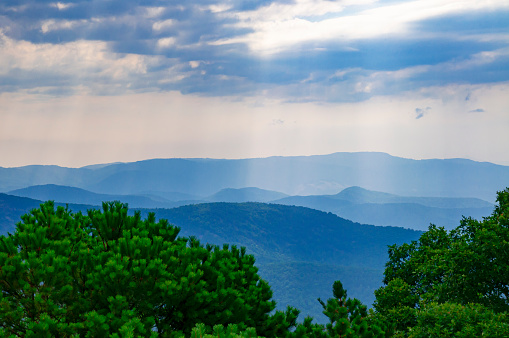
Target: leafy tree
468, 265
456, 320
107, 273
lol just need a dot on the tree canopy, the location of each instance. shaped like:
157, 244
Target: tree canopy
468, 265
107, 272
110, 274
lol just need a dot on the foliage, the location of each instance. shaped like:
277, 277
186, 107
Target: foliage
468, 265
110, 274
298, 267
348, 317
107, 273
455, 320
219, 331
396, 304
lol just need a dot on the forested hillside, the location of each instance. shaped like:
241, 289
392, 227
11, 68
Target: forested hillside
274, 232
11, 209
324, 247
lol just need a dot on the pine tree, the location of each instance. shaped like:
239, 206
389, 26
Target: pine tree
108, 273
349, 317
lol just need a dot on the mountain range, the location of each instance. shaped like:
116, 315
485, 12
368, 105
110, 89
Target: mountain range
297, 175
371, 207
353, 203
304, 218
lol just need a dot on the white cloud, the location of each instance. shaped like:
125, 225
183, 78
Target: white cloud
52, 25
277, 11
88, 64
69, 58
163, 25
62, 6
166, 42
218, 8
278, 27
153, 12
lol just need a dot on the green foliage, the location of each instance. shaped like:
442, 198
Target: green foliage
468, 265
349, 317
107, 273
110, 274
455, 320
298, 267
219, 331
396, 303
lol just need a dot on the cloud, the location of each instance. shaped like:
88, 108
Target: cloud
478, 110
279, 27
277, 122
82, 65
420, 112
300, 50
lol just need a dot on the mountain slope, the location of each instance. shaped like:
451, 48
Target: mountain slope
11, 208
306, 248
300, 251
73, 195
277, 232
250, 194
301, 283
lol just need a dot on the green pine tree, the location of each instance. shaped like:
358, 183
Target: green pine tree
108, 273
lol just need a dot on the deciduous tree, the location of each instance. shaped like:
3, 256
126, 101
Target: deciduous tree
468, 265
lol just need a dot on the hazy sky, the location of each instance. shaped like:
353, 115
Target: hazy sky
96, 81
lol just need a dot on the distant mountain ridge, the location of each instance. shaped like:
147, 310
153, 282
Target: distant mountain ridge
378, 208
73, 195
354, 203
250, 194
297, 175
360, 195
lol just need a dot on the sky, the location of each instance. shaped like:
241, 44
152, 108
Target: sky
101, 81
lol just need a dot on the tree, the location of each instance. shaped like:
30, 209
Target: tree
108, 273
468, 265
456, 320
349, 317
